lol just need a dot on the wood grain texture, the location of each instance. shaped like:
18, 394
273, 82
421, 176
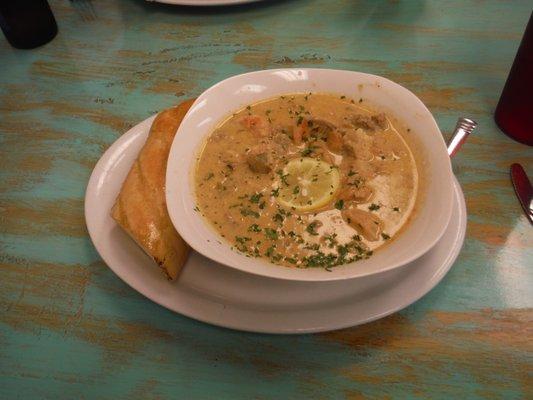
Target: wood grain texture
69, 328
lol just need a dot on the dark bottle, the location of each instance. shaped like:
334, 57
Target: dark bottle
514, 113
27, 23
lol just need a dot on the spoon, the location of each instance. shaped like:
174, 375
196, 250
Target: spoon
463, 128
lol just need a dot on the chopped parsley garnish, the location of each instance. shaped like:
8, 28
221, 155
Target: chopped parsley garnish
209, 176
397, 209
311, 228
270, 251
374, 207
275, 192
339, 204
331, 240
307, 151
342, 250
276, 257
385, 236
343, 97
290, 260
278, 218
351, 173
271, 233
296, 190
249, 212
242, 239
300, 120
262, 205
254, 228
241, 243
256, 197
312, 246
283, 177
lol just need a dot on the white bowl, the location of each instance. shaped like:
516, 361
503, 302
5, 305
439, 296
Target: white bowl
422, 233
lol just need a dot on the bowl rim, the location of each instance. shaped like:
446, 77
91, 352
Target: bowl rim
281, 272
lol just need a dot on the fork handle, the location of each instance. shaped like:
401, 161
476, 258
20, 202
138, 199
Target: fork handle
463, 128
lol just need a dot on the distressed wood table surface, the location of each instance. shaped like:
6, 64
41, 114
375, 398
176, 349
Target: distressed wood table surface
70, 329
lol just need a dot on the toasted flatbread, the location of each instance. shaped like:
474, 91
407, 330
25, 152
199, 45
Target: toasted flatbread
140, 208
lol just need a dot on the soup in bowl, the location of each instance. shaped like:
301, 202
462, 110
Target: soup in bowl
309, 175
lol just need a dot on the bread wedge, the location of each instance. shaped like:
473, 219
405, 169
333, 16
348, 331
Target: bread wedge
140, 208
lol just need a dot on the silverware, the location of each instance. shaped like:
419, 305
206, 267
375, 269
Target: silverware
523, 189
463, 128
85, 9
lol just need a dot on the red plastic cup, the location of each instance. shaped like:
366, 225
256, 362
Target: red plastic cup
514, 113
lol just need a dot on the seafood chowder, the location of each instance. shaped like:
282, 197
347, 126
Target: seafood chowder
307, 180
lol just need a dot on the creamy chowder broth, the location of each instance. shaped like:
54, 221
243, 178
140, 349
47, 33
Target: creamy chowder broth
307, 180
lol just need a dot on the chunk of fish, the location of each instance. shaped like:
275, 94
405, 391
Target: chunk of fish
364, 222
259, 162
357, 194
369, 123
358, 144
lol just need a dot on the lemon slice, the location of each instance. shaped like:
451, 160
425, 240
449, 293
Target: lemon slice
306, 184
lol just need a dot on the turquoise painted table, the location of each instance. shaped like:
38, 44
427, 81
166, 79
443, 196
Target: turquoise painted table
70, 329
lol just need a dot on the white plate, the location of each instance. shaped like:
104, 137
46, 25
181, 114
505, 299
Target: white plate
223, 296
204, 2
427, 224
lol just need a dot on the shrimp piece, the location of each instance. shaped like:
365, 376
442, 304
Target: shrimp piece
257, 124
334, 141
300, 132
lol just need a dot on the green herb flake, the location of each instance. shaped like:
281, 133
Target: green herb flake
311, 228
256, 197
278, 217
397, 209
270, 251
307, 151
283, 177
374, 207
385, 236
275, 192
300, 120
331, 240
254, 228
339, 205
242, 239
271, 233
247, 212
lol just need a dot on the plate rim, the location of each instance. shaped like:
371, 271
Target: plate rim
141, 130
